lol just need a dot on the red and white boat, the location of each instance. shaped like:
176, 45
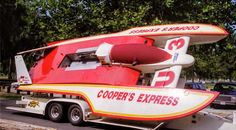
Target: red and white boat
133, 74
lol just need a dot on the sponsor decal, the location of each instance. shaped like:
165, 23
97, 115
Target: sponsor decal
165, 29
141, 98
178, 28
33, 104
175, 57
23, 80
145, 30
116, 95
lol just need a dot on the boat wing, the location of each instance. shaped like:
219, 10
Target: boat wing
199, 34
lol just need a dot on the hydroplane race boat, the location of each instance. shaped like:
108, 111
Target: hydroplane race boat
132, 74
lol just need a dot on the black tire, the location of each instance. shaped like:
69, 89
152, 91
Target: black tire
55, 112
75, 115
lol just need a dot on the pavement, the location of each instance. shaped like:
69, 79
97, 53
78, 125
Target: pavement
29, 121
15, 125
12, 120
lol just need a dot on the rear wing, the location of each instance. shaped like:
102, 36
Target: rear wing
199, 34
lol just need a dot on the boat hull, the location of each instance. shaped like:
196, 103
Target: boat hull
134, 103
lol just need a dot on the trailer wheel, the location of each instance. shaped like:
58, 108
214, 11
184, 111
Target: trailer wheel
75, 115
55, 112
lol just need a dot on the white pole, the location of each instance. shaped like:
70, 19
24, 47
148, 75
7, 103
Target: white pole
234, 117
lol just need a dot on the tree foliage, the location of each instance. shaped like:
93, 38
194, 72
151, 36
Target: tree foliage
33, 23
11, 33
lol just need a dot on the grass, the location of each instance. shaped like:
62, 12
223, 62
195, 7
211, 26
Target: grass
4, 95
2, 76
209, 85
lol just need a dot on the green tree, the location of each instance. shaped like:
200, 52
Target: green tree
50, 20
11, 34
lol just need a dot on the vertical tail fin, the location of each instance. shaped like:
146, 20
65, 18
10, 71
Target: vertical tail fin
177, 45
169, 77
21, 71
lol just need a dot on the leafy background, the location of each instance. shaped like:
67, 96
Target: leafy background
27, 24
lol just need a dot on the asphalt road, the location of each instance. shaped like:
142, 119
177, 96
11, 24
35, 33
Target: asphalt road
41, 121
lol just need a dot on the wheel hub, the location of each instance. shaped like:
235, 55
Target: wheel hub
55, 111
75, 114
